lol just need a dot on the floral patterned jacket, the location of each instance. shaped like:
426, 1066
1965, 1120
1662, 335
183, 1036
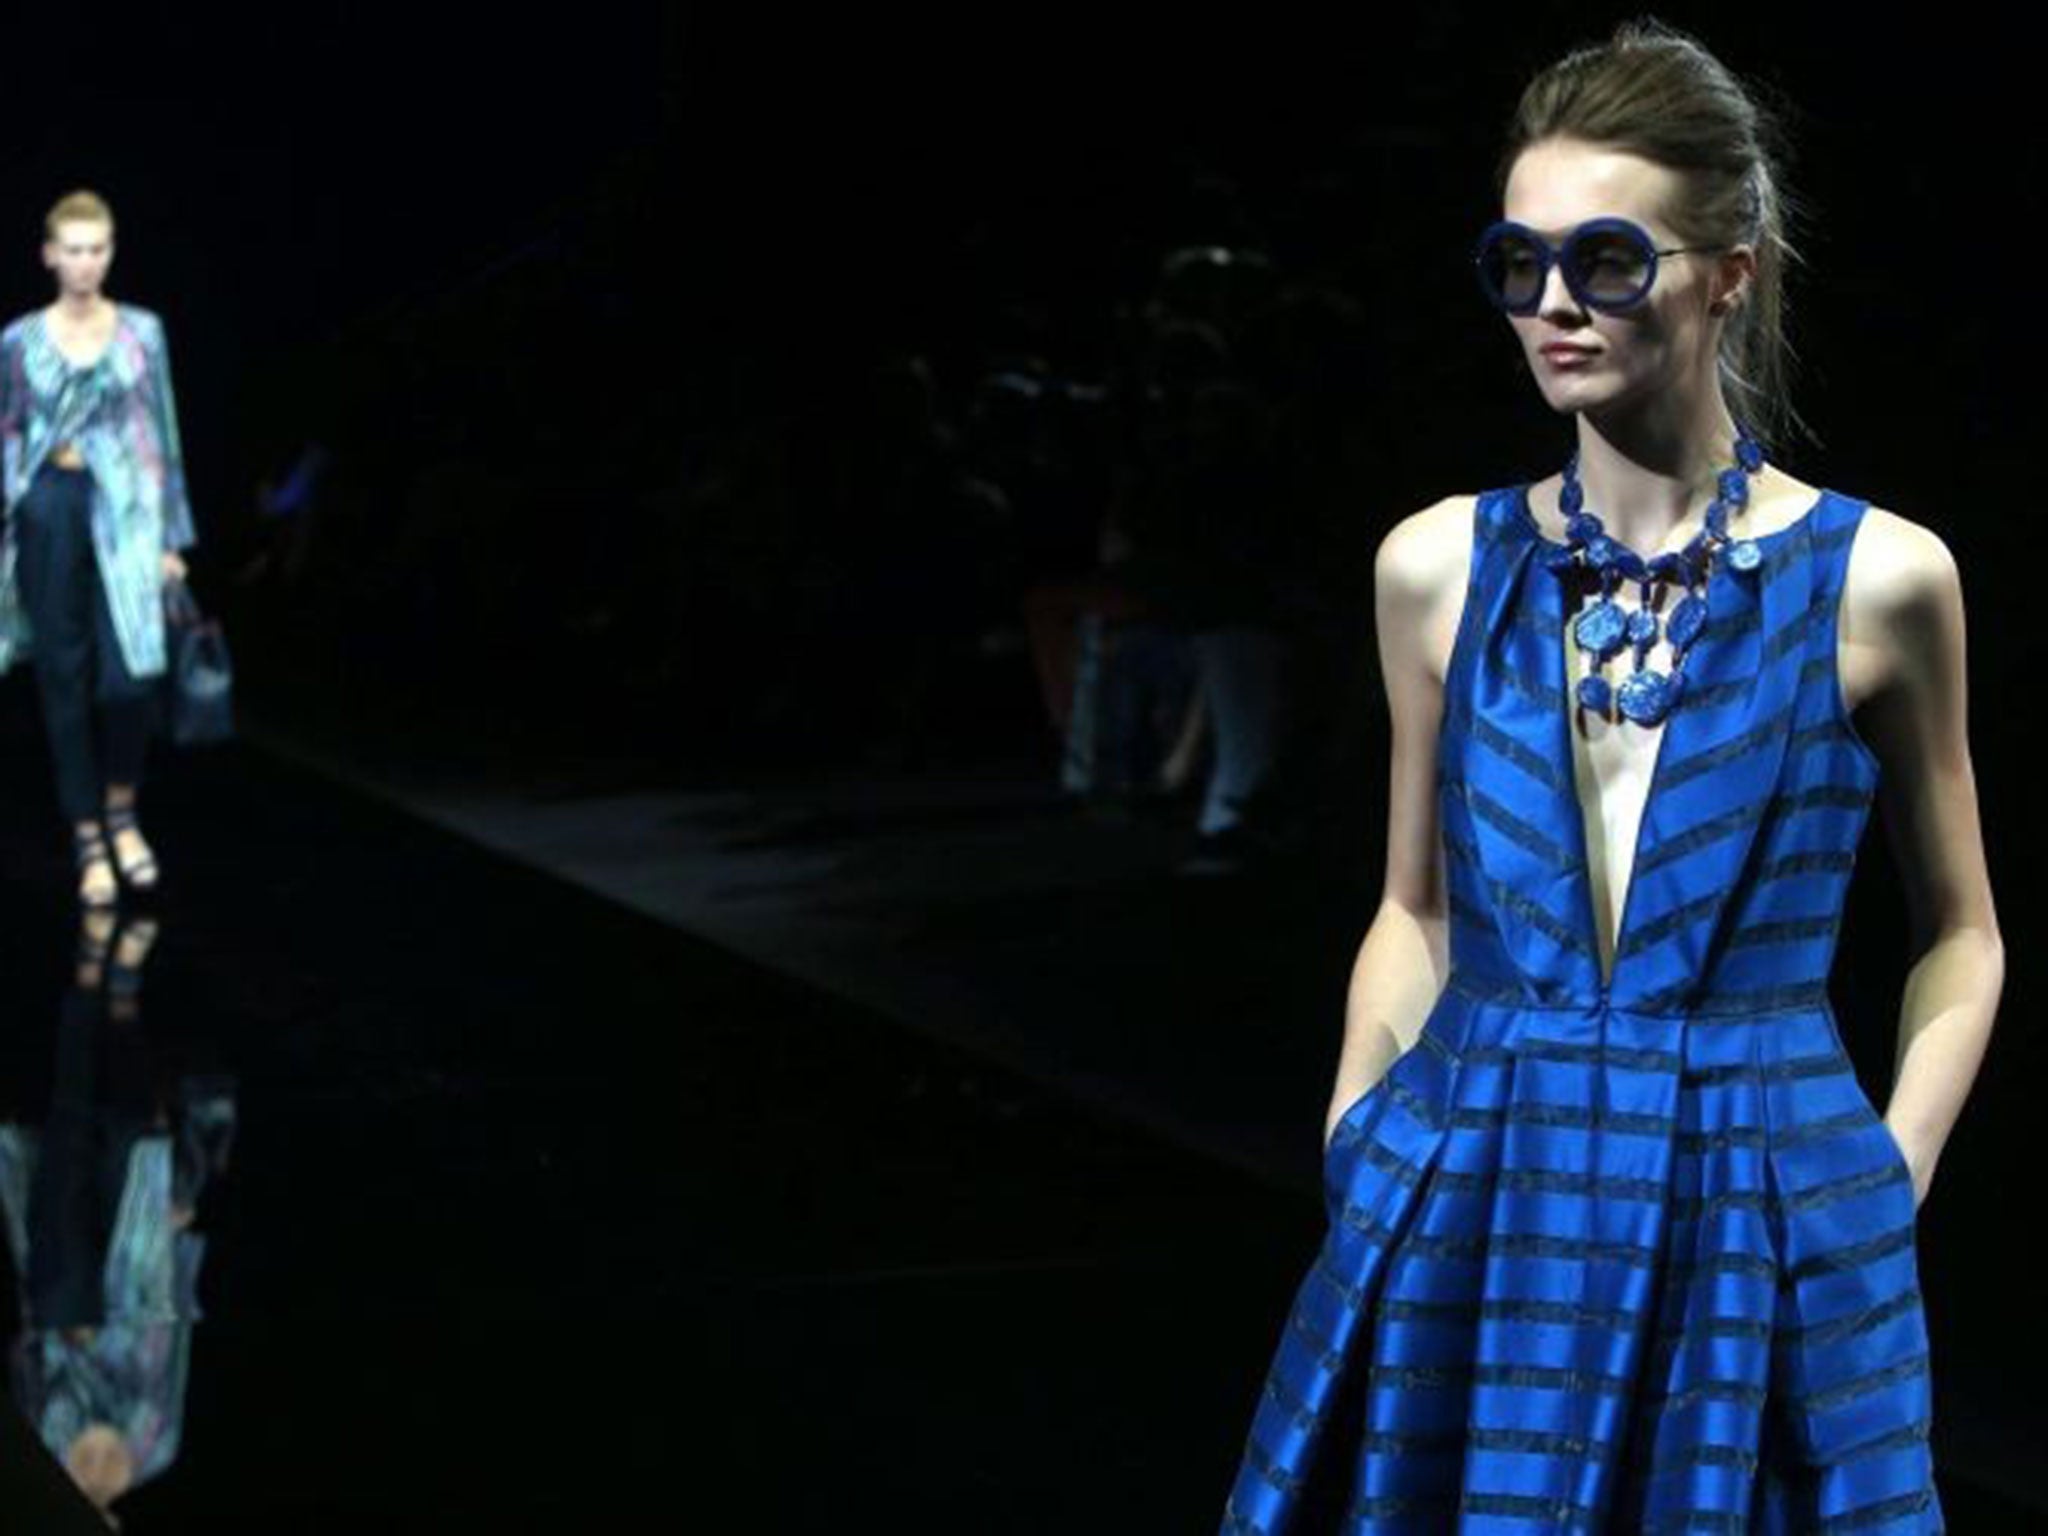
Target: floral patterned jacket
120, 412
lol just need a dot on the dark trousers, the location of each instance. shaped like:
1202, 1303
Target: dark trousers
80, 672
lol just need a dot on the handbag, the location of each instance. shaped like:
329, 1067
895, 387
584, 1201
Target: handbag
201, 676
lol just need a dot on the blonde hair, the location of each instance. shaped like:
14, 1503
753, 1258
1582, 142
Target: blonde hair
81, 207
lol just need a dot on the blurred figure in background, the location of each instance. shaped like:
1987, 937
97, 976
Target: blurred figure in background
285, 514
96, 519
1210, 542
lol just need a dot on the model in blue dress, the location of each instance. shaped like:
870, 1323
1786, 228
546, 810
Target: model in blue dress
1616, 1240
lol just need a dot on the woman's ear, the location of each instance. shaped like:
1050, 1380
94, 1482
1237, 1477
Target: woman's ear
1737, 272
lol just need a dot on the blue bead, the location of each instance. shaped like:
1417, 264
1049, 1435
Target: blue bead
1600, 629
1717, 519
1749, 453
1669, 566
1583, 527
1595, 694
1686, 621
1603, 550
1629, 563
1644, 696
1642, 627
1743, 555
1734, 486
1571, 498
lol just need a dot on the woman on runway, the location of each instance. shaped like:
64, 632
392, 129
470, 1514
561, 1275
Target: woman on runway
1616, 1240
96, 517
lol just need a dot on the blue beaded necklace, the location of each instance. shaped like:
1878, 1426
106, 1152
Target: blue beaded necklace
1646, 695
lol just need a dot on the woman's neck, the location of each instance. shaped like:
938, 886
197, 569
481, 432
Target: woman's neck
89, 306
1643, 477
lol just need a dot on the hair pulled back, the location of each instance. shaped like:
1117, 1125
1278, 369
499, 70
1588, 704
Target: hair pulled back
83, 206
1654, 91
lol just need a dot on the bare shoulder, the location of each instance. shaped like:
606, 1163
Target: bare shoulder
1901, 577
1902, 602
1426, 551
1419, 574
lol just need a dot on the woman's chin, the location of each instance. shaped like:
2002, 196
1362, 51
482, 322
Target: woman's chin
1580, 396
1569, 400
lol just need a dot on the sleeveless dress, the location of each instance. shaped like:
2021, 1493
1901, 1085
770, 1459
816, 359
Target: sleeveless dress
1629, 1252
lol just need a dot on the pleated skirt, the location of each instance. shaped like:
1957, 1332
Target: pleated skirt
1591, 1270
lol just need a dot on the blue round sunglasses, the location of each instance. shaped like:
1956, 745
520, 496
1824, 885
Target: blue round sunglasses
1609, 264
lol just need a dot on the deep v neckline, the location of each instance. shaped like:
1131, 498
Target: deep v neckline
1560, 665
1558, 671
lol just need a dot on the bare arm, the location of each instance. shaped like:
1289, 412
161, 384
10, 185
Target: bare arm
1918, 729
1419, 577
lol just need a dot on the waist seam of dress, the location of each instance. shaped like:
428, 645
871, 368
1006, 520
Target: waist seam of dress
1500, 996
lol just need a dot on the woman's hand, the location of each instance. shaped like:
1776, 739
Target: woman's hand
174, 566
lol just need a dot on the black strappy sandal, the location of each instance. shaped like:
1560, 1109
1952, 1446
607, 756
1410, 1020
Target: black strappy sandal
140, 873
90, 848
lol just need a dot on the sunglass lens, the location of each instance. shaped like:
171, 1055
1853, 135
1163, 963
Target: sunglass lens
1512, 269
1610, 267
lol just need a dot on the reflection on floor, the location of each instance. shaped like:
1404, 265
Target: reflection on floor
100, 1205
535, 1210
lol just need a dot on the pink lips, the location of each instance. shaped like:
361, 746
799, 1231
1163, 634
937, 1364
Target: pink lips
1561, 353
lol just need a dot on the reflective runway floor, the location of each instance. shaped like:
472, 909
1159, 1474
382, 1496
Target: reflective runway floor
444, 1196
520, 1209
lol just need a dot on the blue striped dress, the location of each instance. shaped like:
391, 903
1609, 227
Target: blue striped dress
1628, 1251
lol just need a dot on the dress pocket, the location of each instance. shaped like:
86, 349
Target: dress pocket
1891, 1143
1895, 1155
1346, 1127
1347, 1130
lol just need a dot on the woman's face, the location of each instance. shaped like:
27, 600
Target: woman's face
79, 255
1667, 340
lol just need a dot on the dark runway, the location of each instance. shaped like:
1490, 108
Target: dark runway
539, 1211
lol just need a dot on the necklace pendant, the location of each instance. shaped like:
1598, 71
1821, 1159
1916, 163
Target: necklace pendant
1601, 628
1646, 697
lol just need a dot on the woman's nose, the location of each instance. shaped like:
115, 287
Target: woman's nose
1558, 299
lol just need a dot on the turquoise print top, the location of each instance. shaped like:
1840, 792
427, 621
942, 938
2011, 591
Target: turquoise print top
130, 1369
120, 412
